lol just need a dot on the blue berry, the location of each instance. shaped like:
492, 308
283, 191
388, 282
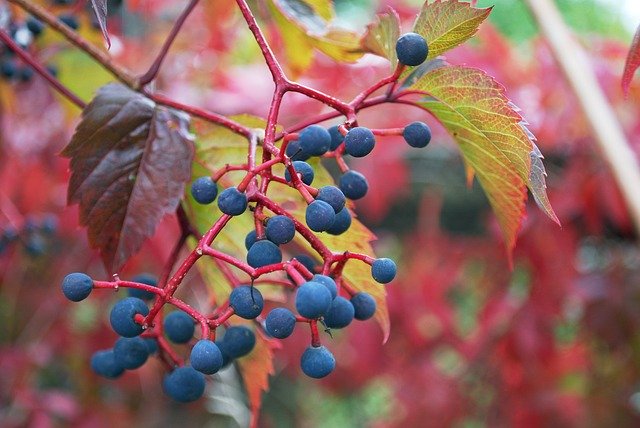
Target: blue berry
206, 357
340, 313
359, 142
263, 253
35, 245
294, 151
34, 25
204, 190
77, 286
246, 301
317, 362
232, 201
417, 134
104, 364
238, 341
336, 138
70, 21
179, 327
152, 345
364, 306
8, 69
305, 171
250, 239
280, 323
328, 282
333, 196
313, 299
131, 352
354, 185
49, 224
307, 261
280, 229
314, 140
226, 358
341, 224
143, 278
412, 49
184, 384
319, 216
122, 316
383, 270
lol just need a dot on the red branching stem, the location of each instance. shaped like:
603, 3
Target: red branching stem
387, 132
222, 317
115, 285
151, 74
302, 319
294, 274
302, 269
315, 335
55, 83
228, 168
173, 257
336, 104
193, 313
357, 101
212, 252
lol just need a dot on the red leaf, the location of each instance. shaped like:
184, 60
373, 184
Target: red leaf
632, 63
129, 163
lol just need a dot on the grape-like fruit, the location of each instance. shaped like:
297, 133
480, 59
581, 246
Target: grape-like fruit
294, 151
206, 357
417, 134
319, 216
69, 20
307, 261
359, 142
263, 253
317, 362
34, 25
232, 201
238, 341
226, 358
340, 313
364, 306
104, 364
77, 286
250, 239
314, 140
305, 171
280, 229
204, 190
131, 352
26, 73
342, 222
179, 327
8, 69
184, 384
336, 138
280, 323
313, 300
328, 282
354, 185
383, 270
152, 345
122, 316
246, 301
143, 278
412, 49
333, 196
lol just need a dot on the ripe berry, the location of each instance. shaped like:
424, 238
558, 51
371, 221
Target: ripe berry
317, 362
206, 357
336, 138
412, 49
131, 352
314, 140
280, 323
359, 142
179, 327
238, 341
8, 69
184, 384
122, 316
69, 20
328, 282
26, 73
204, 190
319, 216
250, 239
364, 306
143, 278
152, 345
307, 261
294, 151
417, 134
34, 25
246, 301
341, 224
280, 229
313, 300
232, 201
340, 313
77, 286
305, 171
226, 358
383, 270
263, 253
104, 364
333, 196
49, 224
354, 185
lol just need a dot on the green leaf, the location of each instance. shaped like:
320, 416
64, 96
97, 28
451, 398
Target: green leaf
381, 36
493, 138
446, 24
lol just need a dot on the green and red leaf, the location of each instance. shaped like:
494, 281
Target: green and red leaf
632, 63
381, 36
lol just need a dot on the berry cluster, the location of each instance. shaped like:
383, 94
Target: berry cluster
35, 235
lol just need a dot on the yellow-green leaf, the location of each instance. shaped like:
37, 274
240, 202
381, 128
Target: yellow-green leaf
381, 36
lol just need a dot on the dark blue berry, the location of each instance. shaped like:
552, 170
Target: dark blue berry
294, 151
179, 327
319, 216
333, 196
317, 362
417, 134
250, 239
77, 286
328, 282
206, 357
8, 68
26, 73
263, 253
313, 299
246, 301
152, 345
204, 190
104, 364
340, 313
52, 70
226, 358
354, 185
359, 142
314, 140
10, 234
34, 25
383, 270
305, 171
238, 341
70, 21
232, 201
280, 229
336, 137
122, 316
341, 224
49, 224
412, 49
280, 323
143, 278
364, 306
184, 384
131, 352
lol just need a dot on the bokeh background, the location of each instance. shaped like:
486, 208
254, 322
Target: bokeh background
555, 341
